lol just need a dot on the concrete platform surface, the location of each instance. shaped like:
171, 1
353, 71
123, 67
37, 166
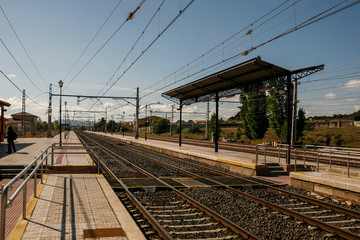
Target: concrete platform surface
328, 179
72, 203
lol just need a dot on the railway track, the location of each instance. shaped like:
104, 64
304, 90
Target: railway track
334, 220
310, 155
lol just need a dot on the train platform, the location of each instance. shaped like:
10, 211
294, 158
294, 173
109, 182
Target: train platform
246, 165
328, 184
69, 205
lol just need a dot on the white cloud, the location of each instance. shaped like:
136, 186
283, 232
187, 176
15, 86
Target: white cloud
330, 95
11, 76
352, 100
357, 107
352, 84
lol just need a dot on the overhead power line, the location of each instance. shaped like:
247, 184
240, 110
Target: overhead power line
21, 90
129, 17
91, 41
7, 49
23, 47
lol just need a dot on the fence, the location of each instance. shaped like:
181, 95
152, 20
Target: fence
310, 153
40, 162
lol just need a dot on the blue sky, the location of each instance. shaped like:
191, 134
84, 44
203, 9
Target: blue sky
55, 33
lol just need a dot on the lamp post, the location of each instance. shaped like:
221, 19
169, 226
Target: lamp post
65, 103
61, 83
122, 125
146, 106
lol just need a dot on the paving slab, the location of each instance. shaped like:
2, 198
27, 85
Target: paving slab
73, 205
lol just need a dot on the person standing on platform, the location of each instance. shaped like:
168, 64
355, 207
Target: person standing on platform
11, 136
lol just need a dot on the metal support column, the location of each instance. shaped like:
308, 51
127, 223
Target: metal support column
288, 117
172, 120
180, 123
207, 120
23, 113
217, 123
49, 112
294, 109
137, 115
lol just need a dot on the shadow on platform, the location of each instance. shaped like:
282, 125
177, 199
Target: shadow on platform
18, 146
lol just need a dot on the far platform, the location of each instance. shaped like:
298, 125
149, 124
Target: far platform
339, 185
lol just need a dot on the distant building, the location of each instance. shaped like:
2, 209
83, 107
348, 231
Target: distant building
30, 122
3, 119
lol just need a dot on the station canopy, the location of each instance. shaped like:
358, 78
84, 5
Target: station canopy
228, 82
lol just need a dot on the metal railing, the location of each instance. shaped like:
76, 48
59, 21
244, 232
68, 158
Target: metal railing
6, 202
316, 153
35, 165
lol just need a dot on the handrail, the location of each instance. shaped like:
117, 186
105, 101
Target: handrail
5, 203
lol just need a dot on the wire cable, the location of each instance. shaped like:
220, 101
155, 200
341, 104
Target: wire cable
91, 41
129, 17
21, 90
22, 45
7, 49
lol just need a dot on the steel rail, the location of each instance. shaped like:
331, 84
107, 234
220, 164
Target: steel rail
223, 220
327, 227
295, 195
154, 223
311, 156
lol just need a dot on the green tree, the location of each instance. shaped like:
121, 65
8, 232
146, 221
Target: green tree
275, 111
212, 125
195, 129
300, 123
253, 111
160, 126
238, 132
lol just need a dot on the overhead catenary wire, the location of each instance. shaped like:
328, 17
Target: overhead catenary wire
7, 49
129, 17
306, 23
21, 90
92, 40
22, 45
148, 47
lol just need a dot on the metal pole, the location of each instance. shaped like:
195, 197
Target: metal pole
137, 114
295, 159
348, 164
24, 197
330, 159
180, 123
49, 112
293, 119
52, 154
35, 179
217, 122
288, 117
207, 120
172, 119
264, 154
279, 153
41, 168
317, 161
60, 118
256, 159
145, 120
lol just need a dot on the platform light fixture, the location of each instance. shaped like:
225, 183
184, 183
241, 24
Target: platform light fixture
61, 83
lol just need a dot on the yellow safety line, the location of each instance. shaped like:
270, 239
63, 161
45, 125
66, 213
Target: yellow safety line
20, 226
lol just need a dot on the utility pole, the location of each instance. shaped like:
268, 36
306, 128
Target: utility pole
23, 113
293, 125
207, 120
105, 120
172, 120
49, 112
137, 114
